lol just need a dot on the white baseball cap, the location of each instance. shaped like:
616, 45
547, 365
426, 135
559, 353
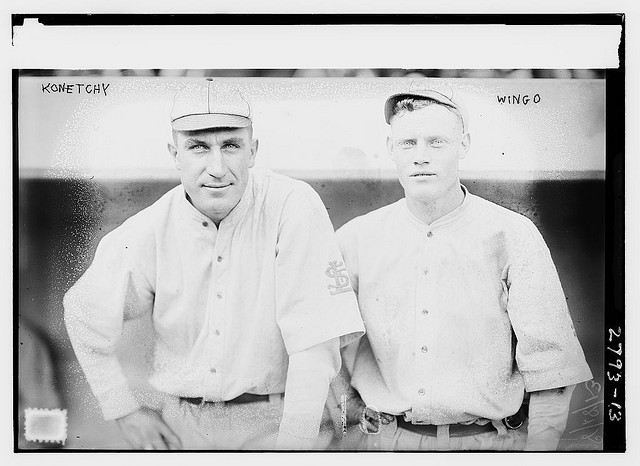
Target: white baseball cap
209, 104
441, 94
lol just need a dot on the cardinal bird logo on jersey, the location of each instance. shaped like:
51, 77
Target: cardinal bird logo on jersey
338, 272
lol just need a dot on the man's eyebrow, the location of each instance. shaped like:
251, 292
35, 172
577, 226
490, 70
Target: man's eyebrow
232, 139
190, 141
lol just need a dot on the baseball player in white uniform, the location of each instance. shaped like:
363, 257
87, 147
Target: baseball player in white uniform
462, 303
246, 287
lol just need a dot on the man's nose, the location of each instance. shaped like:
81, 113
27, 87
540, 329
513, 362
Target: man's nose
216, 166
422, 154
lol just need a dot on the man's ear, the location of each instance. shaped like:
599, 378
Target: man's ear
254, 152
174, 154
389, 146
465, 145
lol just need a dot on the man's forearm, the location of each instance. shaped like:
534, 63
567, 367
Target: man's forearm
309, 375
95, 350
548, 412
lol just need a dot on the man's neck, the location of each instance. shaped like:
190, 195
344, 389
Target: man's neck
429, 211
216, 217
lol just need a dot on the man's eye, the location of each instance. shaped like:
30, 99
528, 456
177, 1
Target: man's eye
198, 147
230, 148
406, 144
438, 142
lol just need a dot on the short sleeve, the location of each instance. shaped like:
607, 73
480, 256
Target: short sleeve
347, 240
314, 296
548, 353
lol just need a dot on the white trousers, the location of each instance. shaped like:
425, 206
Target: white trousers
219, 426
393, 438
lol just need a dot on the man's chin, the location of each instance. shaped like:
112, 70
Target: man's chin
219, 208
422, 192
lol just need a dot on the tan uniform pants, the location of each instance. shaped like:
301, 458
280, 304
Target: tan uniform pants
220, 426
393, 438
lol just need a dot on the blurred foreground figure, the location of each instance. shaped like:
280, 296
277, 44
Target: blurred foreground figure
462, 303
36, 381
245, 283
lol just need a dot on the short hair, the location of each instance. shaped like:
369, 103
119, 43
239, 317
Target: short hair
411, 104
175, 132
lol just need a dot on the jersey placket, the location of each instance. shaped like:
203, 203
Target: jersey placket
217, 308
424, 314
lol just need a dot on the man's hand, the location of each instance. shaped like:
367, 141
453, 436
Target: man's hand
354, 407
368, 418
144, 429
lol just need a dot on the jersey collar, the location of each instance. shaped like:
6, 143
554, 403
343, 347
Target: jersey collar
454, 216
237, 213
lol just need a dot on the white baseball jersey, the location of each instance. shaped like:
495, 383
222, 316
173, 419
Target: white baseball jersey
228, 304
462, 315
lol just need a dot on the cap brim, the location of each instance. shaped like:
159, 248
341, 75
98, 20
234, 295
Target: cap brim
210, 120
433, 95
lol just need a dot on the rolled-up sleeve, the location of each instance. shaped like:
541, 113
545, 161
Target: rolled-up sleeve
548, 353
314, 297
110, 292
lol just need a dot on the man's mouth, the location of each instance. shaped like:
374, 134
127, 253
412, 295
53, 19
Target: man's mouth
422, 175
216, 185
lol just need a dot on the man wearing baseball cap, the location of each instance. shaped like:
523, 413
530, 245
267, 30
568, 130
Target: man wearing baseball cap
237, 268
462, 303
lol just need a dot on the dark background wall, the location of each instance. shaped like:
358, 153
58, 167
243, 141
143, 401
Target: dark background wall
61, 221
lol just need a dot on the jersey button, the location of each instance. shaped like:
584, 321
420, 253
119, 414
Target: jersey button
217, 332
213, 370
424, 349
421, 392
205, 224
425, 312
425, 272
219, 295
219, 258
429, 235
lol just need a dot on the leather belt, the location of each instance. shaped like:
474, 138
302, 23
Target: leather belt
455, 430
242, 399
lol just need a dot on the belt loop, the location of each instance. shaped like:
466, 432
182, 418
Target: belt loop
443, 437
502, 430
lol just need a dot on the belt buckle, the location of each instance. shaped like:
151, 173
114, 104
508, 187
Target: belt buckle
204, 402
509, 424
363, 423
419, 423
